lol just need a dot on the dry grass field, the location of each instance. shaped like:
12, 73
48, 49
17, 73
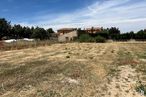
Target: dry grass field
75, 70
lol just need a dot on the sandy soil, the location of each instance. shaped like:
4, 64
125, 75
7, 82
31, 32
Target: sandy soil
72, 70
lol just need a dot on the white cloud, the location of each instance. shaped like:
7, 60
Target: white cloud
126, 14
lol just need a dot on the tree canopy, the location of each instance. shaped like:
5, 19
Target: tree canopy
17, 31
4, 28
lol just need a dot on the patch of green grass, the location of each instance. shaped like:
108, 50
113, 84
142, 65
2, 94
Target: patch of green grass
142, 55
10, 70
141, 89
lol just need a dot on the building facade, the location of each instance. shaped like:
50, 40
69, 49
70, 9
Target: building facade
68, 36
93, 30
65, 31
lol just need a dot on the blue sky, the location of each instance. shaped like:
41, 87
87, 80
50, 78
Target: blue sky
126, 14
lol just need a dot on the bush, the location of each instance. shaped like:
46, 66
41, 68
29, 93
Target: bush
100, 39
86, 38
141, 89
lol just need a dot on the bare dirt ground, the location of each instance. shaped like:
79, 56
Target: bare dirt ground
75, 70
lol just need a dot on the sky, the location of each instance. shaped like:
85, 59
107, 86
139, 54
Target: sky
127, 15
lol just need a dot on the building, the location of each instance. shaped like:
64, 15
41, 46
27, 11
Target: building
93, 30
70, 36
54, 36
65, 31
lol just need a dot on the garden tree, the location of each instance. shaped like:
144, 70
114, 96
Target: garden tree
40, 33
18, 31
13, 34
132, 35
80, 32
27, 32
113, 32
50, 30
32, 29
103, 33
140, 35
4, 28
124, 37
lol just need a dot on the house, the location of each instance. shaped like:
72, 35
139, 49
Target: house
70, 36
93, 30
65, 30
54, 36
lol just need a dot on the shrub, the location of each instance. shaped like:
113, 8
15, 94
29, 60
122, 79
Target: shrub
141, 89
86, 38
100, 39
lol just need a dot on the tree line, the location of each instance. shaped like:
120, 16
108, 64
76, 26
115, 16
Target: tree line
8, 31
112, 33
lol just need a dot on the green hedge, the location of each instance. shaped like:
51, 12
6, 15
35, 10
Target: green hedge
100, 39
88, 38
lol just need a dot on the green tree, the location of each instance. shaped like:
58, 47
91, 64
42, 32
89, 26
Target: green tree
18, 31
27, 32
4, 28
113, 32
40, 33
140, 35
50, 30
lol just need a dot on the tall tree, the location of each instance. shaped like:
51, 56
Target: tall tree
40, 33
27, 32
141, 35
50, 30
113, 32
18, 31
4, 28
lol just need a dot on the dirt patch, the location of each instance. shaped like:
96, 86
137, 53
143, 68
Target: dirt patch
72, 70
124, 83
